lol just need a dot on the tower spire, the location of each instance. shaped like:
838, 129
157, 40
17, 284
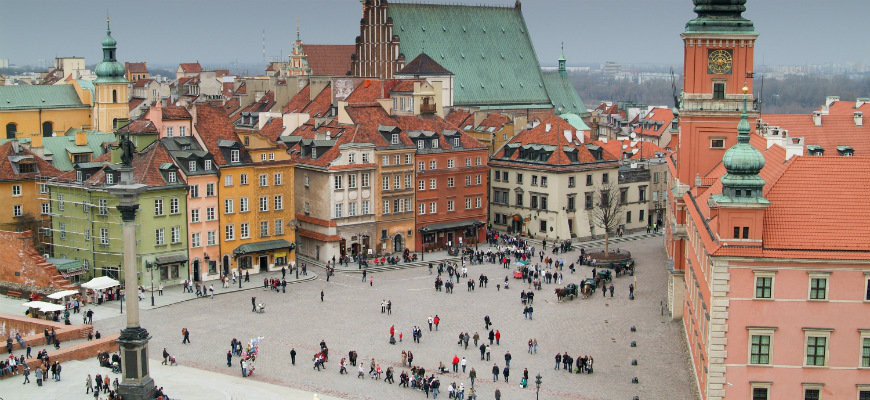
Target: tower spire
297, 29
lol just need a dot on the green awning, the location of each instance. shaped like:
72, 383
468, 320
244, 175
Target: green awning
65, 264
261, 247
452, 225
171, 259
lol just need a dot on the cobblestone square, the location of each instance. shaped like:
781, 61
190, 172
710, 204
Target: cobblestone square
350, 318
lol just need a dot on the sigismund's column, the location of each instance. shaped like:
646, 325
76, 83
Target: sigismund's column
136, 383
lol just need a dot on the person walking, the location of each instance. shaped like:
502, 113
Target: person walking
472, 375
27, 376
488, 351
211, 291
321, 295
497, 337
364, 276
506, 372
463, 363
244, 365
186, 334
436, 320
89, 384
507, 359
160, 289
165, 357
497, 394
38, 374
293, 356
229, 358
495, 371
57, 372
253, 304
430, 320
455, 363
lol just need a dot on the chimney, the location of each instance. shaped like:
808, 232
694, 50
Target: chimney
858, 116
830, 100
817, 118
35, 140
861, 101
547, 127
81, 138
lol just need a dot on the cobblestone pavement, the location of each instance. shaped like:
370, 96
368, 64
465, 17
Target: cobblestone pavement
350, 318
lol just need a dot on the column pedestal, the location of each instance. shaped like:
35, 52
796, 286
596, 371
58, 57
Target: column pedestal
136, 383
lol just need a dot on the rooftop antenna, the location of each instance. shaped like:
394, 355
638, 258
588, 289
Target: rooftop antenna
297, 28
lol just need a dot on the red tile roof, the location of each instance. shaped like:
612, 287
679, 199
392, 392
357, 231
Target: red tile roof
842, 107
264, 104
212, 125
134, 102
232, 105
190, 67
8, 169
318, 107
655, 122
370, 90
221, 72
423, 65
142, 82
635, 150
139, 126
459, 118
173, 112
136, 67
404, 86
496, 120
298, 102
836, 130
329, 59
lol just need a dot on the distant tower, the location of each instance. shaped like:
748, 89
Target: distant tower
110, 88
562, 70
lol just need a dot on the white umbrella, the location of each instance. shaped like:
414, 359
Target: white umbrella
43, 306
102, 282
62, 294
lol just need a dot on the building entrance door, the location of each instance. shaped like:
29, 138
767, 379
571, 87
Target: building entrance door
196, 270
398, 244
264, 263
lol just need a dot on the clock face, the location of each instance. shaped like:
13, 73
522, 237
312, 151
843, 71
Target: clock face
719, 62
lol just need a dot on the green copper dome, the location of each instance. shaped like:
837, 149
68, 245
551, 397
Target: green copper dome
720, 16
743, 163
110, 70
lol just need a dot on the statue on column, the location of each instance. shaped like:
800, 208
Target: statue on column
127, 150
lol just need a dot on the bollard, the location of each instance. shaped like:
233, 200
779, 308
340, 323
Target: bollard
633, 343
633, 329
634, 380
633, 362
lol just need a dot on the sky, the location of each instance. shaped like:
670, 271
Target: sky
221, 32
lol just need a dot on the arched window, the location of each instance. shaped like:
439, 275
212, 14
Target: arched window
114, 96
47, 129
11, 128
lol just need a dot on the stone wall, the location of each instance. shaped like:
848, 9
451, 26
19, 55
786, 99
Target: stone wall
79, 351
33, 330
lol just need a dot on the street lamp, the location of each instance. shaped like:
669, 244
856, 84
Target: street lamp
207, 265
150, 267
538, 386
422, 243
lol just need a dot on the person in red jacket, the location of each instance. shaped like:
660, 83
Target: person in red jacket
437, 320
497, 336
455, 363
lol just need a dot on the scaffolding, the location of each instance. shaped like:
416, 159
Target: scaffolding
79, 222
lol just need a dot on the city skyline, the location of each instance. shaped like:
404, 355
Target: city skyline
167, 34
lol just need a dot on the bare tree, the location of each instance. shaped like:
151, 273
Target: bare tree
608, 211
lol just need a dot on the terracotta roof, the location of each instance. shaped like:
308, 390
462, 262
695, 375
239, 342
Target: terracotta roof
836, 130
175, 112
842, 107
818, 204
655, 122
423, 65
242, 89
315, 221
298, 102
136, 67
264, 104
628, 149
370, 90
328, 59
9, 169
213, 125
232, 105
496, 120
318, 107
221, 72
139, 126
404, 86
142, 82
135, 102
190, 67
319, 236
459, 118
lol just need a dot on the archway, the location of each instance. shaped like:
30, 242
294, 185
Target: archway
47, 129
398, 243
11, 128
226, 265
517, 224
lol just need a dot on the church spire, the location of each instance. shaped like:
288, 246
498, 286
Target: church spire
110, 70
743, 163
562, 69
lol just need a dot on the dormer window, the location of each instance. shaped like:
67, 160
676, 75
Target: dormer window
207, 165
351, 158
78, 176
172, 177
25, 168
234, 156
191, 165
421, 144
434, 143
455, 142
110, 179
394, 138
313, 152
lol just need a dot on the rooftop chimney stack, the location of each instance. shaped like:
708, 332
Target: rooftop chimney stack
817, 118
858, 116
81, 138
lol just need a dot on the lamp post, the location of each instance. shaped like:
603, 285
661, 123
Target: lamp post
294, 225
538, 386
207, 265
150, 267
422, 244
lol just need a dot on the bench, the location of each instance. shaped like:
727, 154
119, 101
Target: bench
14, 294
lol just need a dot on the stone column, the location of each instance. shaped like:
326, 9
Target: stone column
136, 383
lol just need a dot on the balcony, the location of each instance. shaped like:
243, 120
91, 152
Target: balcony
427, 109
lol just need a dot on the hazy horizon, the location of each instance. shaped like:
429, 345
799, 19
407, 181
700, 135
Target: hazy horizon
221, 32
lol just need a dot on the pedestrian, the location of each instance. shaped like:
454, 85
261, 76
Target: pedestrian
507, 359
389, 307
211, 291
165, 356
293, 356
364, 276
463, 363
283, 272
437, 320
497, 394
244, 365
611, 290
229, 358
482, 351
497, 336
160, 289
455, 363
253, 304
321, 295
488, 351
472, 375
27, 375
371, 281
186, 334
431, 321
38, 374
495, 372
283, 285
506, 372
88, 384
476, 337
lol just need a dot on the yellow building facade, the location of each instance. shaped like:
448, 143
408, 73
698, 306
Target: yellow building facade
47, 109
111, 95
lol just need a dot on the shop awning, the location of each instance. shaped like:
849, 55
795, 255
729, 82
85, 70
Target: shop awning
171, 259
43, 306
260, 247
67, 266
62, 294
101, 282
452, 225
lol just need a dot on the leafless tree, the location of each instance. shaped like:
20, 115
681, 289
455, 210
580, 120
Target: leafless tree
607, 212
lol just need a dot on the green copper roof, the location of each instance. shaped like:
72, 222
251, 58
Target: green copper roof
487, 48
24, 97
575, 121
563, 95
110, 70
58, 147
743, 163
260, 247
720, 16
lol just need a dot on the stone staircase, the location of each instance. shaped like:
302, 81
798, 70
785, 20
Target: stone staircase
57, 280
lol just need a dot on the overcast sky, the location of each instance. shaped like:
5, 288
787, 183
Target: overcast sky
216, 32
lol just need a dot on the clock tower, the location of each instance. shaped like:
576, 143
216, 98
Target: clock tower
718, 49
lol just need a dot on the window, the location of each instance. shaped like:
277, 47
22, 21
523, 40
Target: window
455, 142
307, 181
234, 156
468, 204
230, 232
570, 181
605, 178
543, 202
398, 205
158, 207
422, 209
351, 181
543, 226
245, 230
16, 190
865, 349
194, 215
104, 236
61, 227
351, 210
211, 238
264, 228
763, 285
468, 161
397, 159
760, 393
209, 190
264, 203
279, 202
196, 240
570, 203
477, 161
519, 178
434, 143
641, 193
467, 180
176, 234
385, 160
244, 205
432, 184
243, 179
433, 207
386, 209
228, 206
338, 183
228, 180
407, 159
544, 181
264, 180
534, 202
46, 208
519, 200
43, 188
173, 206
86, 208
168, 131
450, 182
408, 204
450, 205
191, 165
421, 165
760, 341
408, 181
817, 348
588, 180
17, 211
394, 139
497, 176
818, 287
87, 235
534, 180
279, 227
477, 179
640, 218
655, 177
628, 217
812, 392
397, 182
588, 201
364, 209
207, 164
210, 214
385, 183
477, 202
365, 179
719, 91
433, 164
193, 191
717, 143
159, 239
338, 210
450, 163
351, 158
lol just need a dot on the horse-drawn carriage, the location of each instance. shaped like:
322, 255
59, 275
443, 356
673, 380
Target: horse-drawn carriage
569, 291
605, 275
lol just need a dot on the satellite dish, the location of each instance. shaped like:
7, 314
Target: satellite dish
633, 135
